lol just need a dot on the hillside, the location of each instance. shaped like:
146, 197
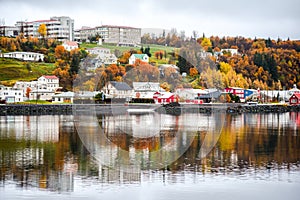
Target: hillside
13, 70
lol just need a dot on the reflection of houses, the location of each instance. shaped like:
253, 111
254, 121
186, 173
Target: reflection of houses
141, 57
114, 89
295, 99
27, 56
10, 95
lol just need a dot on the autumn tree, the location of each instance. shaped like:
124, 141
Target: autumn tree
42, 30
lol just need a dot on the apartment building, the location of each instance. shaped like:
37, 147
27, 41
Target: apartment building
8, 31
60, 28
83, 34
120, 35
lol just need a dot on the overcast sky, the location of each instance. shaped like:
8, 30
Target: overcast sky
248, 18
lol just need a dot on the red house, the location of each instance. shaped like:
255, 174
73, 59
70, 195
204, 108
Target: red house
295, 99
164, 98
237, 92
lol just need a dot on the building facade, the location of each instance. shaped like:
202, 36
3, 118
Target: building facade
120, 35
27, 56
10, 95
59, 28
9, 31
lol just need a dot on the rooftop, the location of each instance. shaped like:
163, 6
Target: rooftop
71, 43
50, 77
121, 85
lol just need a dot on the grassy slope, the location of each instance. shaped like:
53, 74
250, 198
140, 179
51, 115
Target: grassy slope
153, 49
13, 70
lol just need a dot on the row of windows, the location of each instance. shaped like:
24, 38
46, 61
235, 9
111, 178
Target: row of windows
6, 93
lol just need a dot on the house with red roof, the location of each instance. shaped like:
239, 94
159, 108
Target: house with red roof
70, 45
295, 99
48, 82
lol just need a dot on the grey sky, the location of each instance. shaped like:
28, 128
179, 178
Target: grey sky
260, 18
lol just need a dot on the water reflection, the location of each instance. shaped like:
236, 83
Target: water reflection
46, 152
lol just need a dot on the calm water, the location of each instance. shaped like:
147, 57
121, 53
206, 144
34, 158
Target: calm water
152, 156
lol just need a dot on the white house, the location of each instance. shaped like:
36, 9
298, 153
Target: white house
98, 51
134, 57
70, 45
45, 95
50, 83
27, 56
103, 57
189, 93
115, 89
40, 89
65, 97
11, 95
146, 90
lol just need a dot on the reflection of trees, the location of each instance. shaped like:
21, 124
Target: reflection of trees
246, 142
43, 164
241, 147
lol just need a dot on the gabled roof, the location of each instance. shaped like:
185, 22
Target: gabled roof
50, 77
71, 43
120, 85
64, 94
296, 95
147, 86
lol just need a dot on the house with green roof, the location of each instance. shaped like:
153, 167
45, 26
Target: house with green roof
142, 57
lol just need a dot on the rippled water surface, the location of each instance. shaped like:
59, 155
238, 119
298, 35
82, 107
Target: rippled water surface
151, 156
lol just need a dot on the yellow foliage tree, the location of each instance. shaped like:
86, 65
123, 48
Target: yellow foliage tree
42, 30
206, 43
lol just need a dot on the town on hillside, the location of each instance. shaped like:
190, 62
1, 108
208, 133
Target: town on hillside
117, 62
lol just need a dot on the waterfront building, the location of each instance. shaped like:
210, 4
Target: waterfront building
10, 95
114, 89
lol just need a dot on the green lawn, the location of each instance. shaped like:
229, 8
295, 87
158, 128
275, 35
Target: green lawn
12, 70
153, 49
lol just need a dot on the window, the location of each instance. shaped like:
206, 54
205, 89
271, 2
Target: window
294, 100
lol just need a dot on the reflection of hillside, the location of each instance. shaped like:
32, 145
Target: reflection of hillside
260, 145
140, 131
35, 150
52, 158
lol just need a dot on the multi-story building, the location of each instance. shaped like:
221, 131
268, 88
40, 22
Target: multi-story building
9, 31
84, 34
60, 28
10, 95
120, 35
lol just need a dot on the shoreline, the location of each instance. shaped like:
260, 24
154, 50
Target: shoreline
69, 109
